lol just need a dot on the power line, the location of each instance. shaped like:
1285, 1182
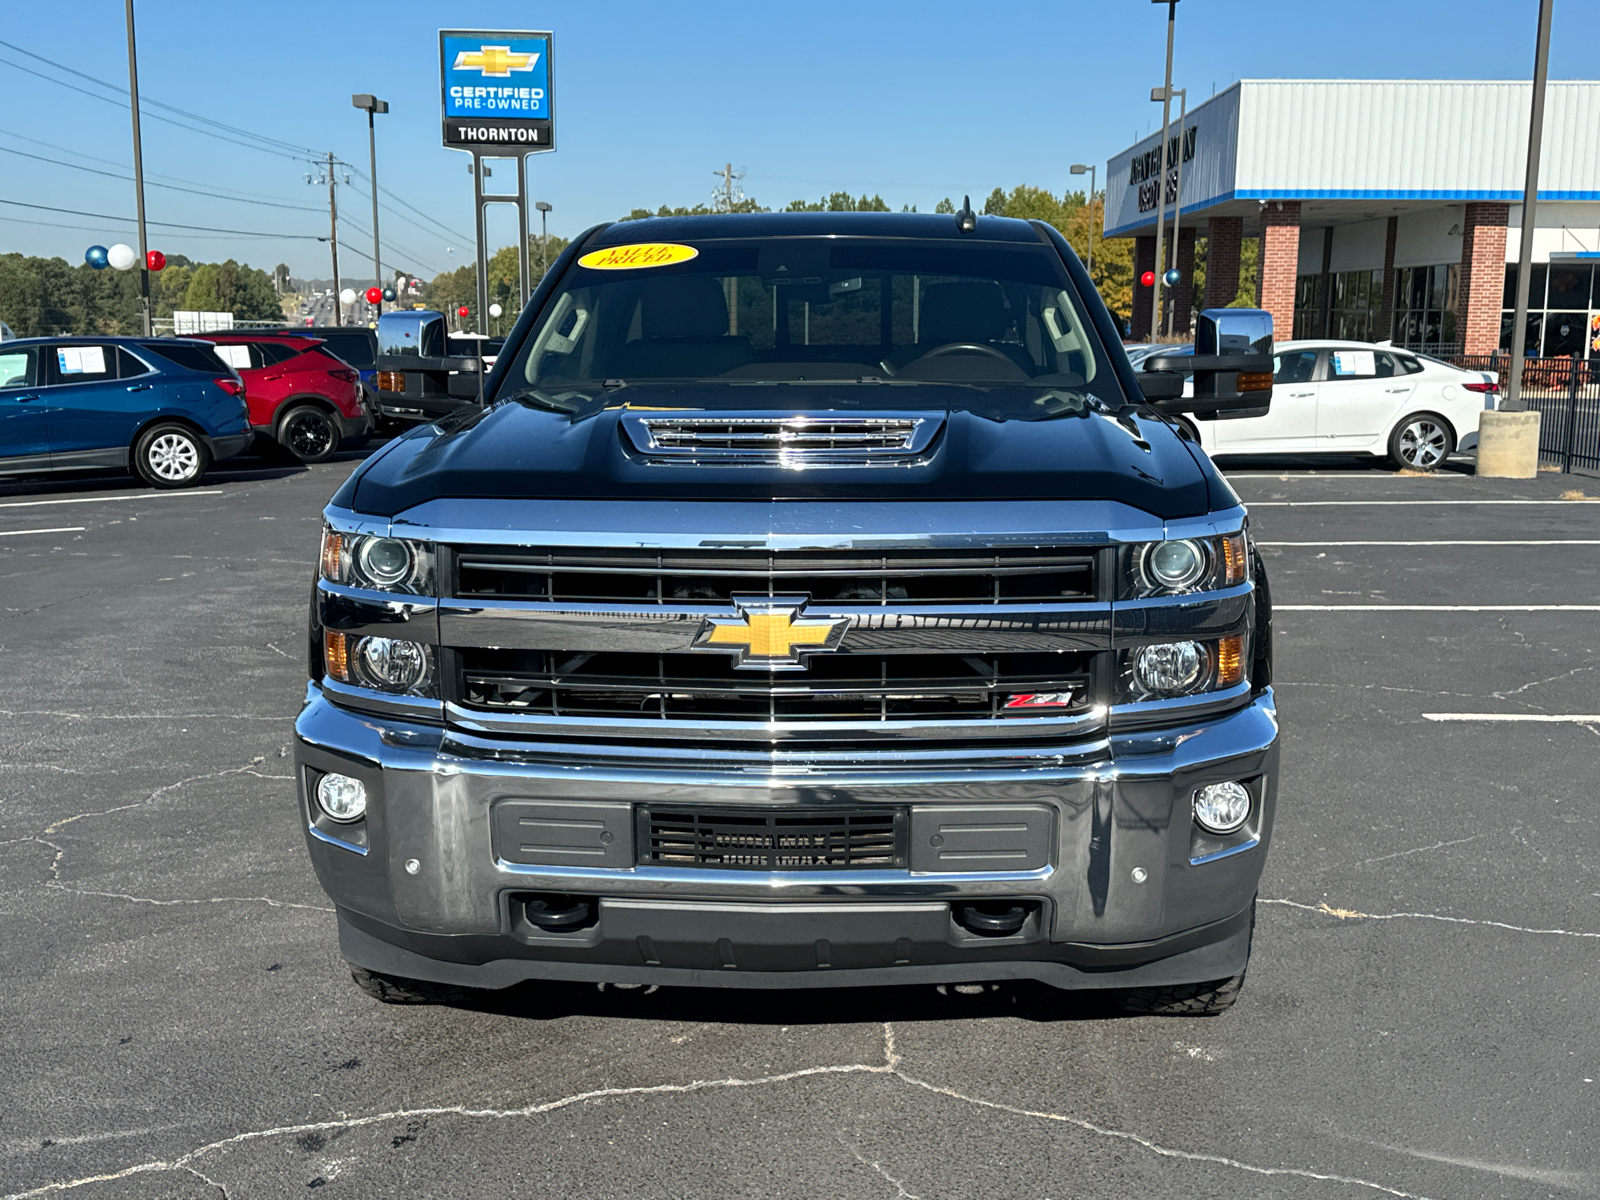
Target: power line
157, 103
169, 186
96, 228
74, 212
454, 233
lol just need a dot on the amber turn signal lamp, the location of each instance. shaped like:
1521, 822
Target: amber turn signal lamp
1254, 381
335, 656
1234, 561
332, 549
1230, 661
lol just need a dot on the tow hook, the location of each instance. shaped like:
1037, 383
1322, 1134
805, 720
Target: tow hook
995, 918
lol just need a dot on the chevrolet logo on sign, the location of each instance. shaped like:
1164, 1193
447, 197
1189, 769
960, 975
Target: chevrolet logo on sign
495, 62
770, 634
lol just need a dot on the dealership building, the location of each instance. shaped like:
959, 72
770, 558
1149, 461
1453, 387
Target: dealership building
1385, 209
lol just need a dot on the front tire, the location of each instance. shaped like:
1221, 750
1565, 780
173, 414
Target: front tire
396, 989
309, 433
1421, 442
170, 455
1205, 999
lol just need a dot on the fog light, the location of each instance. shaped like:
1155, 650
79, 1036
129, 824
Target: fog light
1221, 807
1168, 669
341, 797
392, 664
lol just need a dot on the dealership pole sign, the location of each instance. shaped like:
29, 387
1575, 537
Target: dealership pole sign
497, 90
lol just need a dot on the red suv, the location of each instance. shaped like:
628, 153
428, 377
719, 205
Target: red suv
301, 397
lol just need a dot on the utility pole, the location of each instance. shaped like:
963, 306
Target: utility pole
333, 241
138, 176
372, 105
1165, 96
1177, 199
1530, 201
1079, 169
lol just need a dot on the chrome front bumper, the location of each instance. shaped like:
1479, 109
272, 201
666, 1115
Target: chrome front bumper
1132, 892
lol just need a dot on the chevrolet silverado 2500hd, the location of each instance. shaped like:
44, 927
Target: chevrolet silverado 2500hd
815, 600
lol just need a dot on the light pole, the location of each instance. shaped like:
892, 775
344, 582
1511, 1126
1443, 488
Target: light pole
1163, 94
138, 176
1177, 197
371, 105
544, 236
1079, 169
1530, 200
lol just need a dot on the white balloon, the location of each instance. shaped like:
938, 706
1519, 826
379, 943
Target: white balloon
495, 310
348, 296
121, 257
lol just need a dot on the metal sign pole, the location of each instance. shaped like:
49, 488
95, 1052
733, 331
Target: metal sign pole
480, 203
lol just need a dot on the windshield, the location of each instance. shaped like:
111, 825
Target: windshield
806, 310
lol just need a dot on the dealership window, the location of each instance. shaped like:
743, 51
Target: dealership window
1353, 309
1425, 306
1563, 309
1306, 314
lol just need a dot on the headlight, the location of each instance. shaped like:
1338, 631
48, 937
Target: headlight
1166, 670
383, 564
384, 664
1184, 565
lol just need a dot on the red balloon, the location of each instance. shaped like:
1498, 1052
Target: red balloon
463, 311
155, 260
374, 295
1148, 279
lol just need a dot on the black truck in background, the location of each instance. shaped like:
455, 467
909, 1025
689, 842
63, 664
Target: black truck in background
424, 371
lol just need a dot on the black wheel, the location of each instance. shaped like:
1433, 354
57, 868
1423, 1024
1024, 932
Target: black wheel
1205, 999
1421, 442
396, 989
309, 433
170, 455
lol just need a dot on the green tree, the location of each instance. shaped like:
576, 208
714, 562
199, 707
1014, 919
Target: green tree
228, 287
945, 207
840, 202
1078, 219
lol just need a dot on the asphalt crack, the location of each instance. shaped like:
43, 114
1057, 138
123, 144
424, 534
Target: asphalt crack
1350, 914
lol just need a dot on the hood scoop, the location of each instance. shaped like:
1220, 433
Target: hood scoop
767, 439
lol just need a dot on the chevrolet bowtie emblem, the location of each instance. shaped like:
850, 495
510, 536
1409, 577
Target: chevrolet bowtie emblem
496, 62
770, 634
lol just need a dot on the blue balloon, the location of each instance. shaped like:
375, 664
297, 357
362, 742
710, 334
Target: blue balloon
1173, 277
95, 256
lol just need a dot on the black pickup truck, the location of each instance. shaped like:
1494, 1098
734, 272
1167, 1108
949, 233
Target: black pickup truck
815, 600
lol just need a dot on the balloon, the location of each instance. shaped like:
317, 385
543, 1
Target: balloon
374, 294
1148, 279
348, 296
155, 260
1172, 277
463, 311
389, 294
495, 310
95, 256
121, 257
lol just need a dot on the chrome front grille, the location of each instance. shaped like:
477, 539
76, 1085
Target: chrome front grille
766, 439
951, 644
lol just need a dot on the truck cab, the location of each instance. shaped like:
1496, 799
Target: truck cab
816, 600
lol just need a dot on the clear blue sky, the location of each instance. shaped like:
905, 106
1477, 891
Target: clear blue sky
915, 101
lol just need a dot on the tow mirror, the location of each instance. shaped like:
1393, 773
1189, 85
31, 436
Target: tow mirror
1231, 367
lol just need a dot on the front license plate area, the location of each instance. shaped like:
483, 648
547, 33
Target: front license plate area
772, 839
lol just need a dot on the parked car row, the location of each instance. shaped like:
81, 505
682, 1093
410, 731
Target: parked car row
1340, 397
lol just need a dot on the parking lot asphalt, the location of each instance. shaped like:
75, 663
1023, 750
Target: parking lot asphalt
1419, 1019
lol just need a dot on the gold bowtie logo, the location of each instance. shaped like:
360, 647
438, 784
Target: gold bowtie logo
494, 61
770, 634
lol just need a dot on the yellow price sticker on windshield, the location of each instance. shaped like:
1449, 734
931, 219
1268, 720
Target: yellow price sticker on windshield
632, 258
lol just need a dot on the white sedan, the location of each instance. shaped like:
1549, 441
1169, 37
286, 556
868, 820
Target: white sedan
1357, 398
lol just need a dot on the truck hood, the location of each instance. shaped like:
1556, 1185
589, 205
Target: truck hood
993, 443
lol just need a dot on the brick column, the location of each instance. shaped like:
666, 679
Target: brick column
1325, 285
1223, 236
1385, 330
1183, 292
1144, 259
1483, 277
1280, 263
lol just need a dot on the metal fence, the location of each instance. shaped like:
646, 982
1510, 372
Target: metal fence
1566, 394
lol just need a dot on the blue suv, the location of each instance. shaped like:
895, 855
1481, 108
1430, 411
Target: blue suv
164, 408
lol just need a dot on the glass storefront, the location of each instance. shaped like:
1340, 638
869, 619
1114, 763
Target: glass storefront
1563, 309
1353, 310
1425, 302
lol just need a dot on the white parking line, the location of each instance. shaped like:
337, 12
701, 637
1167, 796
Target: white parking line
104, 499
1559, 718
1436, 608
1552, 542
61, 529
